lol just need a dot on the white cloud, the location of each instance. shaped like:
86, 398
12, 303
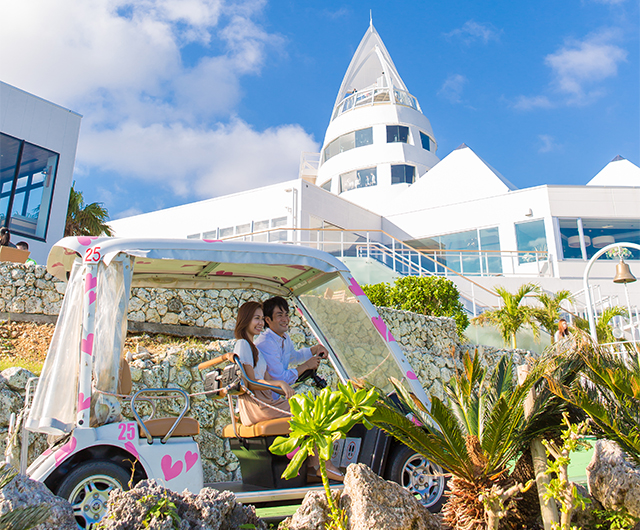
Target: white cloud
578, 70
150, 112
452, 88
472, 31
578, 65
547, 143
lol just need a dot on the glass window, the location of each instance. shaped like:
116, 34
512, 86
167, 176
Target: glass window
261, 226
347, 142
243, 229
280, 235
397, 133
226, 232
193, 236
25, 201
361, 178
530, 236
364, 137
326, 186
603, 232
211, 234
570, 239
490, 241
466, 259
401, 174
426, 144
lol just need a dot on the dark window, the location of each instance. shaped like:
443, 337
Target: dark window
397, 133
364, 137
326, 185
27, 177
402, 174
426, 144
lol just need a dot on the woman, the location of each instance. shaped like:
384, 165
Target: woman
249, 324
563, 330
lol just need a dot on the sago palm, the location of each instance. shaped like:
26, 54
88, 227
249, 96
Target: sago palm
474, 437
604, 331
608, 391
513, 315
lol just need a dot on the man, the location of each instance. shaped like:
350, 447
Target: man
277, 348
23, 245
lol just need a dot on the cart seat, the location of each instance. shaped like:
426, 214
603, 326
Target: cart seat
274, 427
158, 427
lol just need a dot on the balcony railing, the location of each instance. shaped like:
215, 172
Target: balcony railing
375, 96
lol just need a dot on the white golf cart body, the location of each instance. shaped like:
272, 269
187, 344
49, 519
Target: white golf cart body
75, 399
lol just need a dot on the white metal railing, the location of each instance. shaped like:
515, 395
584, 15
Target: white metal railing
375, 96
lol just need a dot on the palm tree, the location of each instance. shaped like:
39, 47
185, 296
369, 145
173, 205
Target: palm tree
86, 219
608, 391
512, 315
549, 315
604, 332
474, 437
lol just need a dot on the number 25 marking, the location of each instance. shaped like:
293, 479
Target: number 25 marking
93, 254
127, 431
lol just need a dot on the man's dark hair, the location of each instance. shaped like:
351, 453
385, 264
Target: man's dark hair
270, 305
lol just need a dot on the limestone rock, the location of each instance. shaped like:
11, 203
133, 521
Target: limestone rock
613, 480
16, 378
22, 492
313, 514
209, 510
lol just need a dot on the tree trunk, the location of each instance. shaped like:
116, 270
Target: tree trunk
548, 508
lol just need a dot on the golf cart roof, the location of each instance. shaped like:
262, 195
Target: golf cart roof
202, 264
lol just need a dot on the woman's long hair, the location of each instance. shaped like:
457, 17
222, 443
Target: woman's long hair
243, 320
562, 331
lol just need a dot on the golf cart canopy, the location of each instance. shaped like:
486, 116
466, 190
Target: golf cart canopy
101, 271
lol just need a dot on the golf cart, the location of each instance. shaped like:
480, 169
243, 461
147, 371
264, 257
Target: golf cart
85, 382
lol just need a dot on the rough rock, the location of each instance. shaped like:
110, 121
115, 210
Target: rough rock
613, 479
209, 510
369, 502
17, 377
22, 492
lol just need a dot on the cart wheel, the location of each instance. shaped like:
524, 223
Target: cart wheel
414, 472
87, 488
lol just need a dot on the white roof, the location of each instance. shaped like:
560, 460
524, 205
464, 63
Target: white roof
461, 176
202, 264
368, 64
618, 172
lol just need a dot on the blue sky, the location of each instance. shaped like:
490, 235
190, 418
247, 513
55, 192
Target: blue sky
189, 99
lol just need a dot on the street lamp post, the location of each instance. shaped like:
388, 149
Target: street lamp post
585, 281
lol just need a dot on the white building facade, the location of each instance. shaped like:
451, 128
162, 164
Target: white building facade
38, 141
380, 190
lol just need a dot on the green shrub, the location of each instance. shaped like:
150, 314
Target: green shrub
427, 295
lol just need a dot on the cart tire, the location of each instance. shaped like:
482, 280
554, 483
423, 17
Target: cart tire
87, 488
417, 474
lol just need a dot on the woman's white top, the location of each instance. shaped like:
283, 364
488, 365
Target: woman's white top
243, 350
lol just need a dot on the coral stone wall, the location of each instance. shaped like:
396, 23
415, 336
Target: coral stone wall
431, 345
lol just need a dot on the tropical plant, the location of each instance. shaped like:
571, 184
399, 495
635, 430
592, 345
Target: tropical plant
474, 437
549, 314
560, 488
604, 331
513, 315
85, 219
21, 518
426, 295
608, 391
319, 421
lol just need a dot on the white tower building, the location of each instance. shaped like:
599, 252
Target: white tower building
378, 141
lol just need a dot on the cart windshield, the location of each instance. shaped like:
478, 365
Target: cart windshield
358, 340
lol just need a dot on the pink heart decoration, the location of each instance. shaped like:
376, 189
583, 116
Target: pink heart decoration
85, 241
83, 403
62, 453
355, 288
47, 452
411, 375
380, 326
87, 344
90, 282
169, 469
190, 459
132, 449
92, 297
212, 240
224, 273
